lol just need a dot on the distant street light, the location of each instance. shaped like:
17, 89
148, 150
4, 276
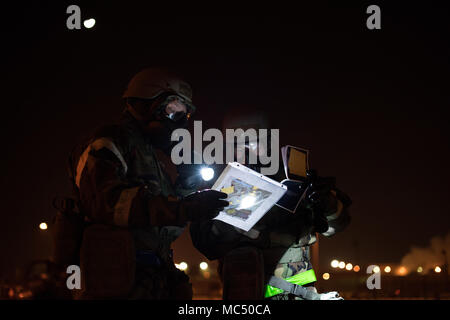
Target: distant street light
203, 266
43, 226
349, 266
376, 269
437, 269
356, 268
419, 269
342, 265
182, 266
326, 276
387, 269
335, 263
402, 271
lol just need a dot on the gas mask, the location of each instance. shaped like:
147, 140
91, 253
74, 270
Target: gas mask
173, 113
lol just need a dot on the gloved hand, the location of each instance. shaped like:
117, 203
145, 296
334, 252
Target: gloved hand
319, 199
319, 192
202, 205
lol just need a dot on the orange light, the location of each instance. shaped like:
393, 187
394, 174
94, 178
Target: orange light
356, 268
402, 271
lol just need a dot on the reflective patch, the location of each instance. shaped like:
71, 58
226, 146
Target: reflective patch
123, 206
108, 144
299, 279
81, 164
329, 232
97, 145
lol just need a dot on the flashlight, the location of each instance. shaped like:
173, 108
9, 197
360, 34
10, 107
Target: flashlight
207, 173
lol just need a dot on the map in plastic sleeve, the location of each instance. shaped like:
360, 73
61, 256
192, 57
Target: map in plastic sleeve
250, 195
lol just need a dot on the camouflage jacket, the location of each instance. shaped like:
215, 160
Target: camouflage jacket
119, 181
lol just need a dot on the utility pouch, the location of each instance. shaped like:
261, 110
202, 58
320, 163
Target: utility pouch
243, 274
67, 232
107, 262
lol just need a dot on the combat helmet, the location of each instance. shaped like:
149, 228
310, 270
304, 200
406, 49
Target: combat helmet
152, 82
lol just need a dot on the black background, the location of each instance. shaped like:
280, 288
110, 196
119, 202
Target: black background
371, 105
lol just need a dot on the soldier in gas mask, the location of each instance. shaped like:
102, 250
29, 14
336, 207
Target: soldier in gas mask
130, 209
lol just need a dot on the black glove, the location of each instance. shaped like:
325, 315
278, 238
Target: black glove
319, 199
318, 194
202, 205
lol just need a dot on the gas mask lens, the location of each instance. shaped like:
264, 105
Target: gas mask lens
175, 108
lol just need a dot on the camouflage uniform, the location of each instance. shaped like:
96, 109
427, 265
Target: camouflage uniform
121, 185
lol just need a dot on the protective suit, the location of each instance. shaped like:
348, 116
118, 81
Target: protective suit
131, 210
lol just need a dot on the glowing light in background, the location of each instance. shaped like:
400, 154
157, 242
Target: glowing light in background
402, 271
356, 268
89, 23
349, 266
341, 265
326, 276
387, 269
43, 226
437, 269
419, 269
182, 266
203, 265
335, 263
376, 269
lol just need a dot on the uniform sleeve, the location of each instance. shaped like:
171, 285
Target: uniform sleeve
214, 238
107, 196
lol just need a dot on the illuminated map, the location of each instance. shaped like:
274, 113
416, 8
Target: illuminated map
243, 198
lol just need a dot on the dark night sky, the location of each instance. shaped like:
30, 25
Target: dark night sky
371, 105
